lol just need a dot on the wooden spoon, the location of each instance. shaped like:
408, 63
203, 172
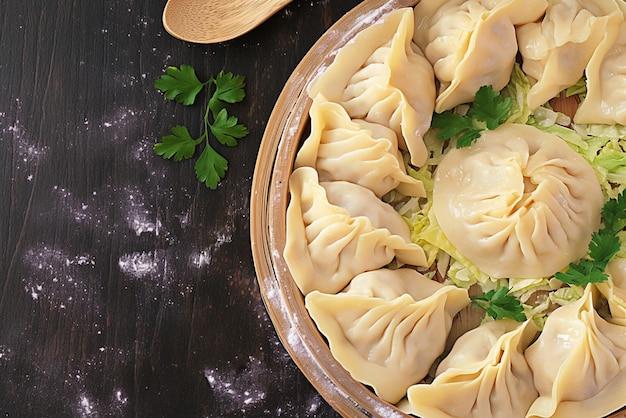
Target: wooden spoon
210, 21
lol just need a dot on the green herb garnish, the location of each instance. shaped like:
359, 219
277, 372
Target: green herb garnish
500, 304
603, 246
488, 111
182, 85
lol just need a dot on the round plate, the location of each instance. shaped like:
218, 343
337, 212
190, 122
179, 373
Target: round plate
270, 195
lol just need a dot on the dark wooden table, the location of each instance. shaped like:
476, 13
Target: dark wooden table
127, 288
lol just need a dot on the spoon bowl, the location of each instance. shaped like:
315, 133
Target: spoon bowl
211, 21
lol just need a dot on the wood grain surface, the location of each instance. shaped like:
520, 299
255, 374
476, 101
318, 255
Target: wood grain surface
127, 288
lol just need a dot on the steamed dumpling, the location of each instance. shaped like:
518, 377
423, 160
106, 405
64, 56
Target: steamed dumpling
614, 289
519, 203
382, 77
471, 43
326, 247
361, 202
485, 375
579, 363
354, 150
605, 101
388, 326
556, 50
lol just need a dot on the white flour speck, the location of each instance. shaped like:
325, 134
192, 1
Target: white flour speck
59, 278
28, 152
5, 353
141, 216
89, 210
140, 265
199, 259
120, 398
143, 151
140, 225
86, 407
120, 120
238, 390
202, 258
183, 219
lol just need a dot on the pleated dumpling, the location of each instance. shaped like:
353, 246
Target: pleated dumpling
388, 327
556, 50
519, 203
605, 101
354, 150
578, 363
484, 376
382, 77
361, 202
326, 247
471, 43
614, 289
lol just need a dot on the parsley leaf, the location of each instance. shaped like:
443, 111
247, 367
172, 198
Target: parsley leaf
468, 138
227, 130
603, 246
490, 107
614, 213
182, 85
210, 167
450, 124
586, 271
229, 89
500, 304
488, 111
179, 144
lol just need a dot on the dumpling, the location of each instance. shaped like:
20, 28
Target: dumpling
382, 77
388, 326
556, 50
354, 150
326, 247
519, 203
390, 284
614, 289
605, 101
578, 363
485, 375
361, 202
471, 43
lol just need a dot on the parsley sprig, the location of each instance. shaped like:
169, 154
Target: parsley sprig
488, 111
500, 304
603, 246
181, 84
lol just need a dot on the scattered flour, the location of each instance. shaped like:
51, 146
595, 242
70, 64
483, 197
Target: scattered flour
27, 153
5, 353
183, 218
157, 274
58, 277
87, 406
140, 265
202, 258
86, 210
143, 150
239, 390
120, 121
140, 216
